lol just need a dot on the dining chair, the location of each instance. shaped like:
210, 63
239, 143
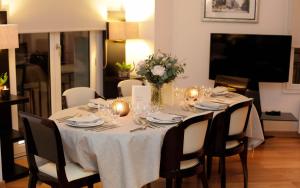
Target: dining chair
42, 139
183, 150
227, 137
78, 96
236, 84
125, 86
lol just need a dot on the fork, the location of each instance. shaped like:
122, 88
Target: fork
139, 128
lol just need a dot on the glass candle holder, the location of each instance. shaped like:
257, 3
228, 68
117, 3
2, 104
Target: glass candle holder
5, 93
120, 107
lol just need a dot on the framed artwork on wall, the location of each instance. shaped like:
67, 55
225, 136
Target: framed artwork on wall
230, 10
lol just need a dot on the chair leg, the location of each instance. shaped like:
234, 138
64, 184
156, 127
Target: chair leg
178, 182
169, 182
32, 181
209, 166
223, 172
203, 179
243, 157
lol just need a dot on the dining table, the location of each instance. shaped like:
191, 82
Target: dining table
125, 158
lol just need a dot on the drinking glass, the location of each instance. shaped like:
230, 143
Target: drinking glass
140, 111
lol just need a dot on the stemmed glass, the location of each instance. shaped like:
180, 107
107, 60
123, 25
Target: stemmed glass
140, 111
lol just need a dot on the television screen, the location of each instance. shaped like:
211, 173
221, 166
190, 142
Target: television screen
262, 58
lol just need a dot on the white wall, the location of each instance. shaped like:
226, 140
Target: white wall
180, 30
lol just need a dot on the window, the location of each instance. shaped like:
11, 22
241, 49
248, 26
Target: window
293, 86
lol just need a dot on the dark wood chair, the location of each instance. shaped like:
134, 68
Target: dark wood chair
227, 137
78, 96
183, 150
42, 139
235, 84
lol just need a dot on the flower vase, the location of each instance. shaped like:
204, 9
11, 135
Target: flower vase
156, 96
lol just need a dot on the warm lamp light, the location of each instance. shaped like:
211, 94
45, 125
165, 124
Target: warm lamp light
4, 4
9, 36
120, 107
123, 30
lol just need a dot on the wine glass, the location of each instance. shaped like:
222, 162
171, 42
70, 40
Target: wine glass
140, 111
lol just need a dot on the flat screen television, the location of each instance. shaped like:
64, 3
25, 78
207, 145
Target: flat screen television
261, 58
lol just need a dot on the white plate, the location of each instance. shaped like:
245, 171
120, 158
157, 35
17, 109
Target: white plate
154, 120
92, 105
82, 125
208, 108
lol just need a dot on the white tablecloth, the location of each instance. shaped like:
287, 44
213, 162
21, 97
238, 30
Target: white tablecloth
125, 159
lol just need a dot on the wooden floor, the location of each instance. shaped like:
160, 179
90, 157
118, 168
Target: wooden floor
275, 164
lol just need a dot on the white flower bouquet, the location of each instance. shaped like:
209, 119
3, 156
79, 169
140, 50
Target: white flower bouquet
160, 68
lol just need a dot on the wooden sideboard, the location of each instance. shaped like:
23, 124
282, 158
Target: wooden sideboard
8, 136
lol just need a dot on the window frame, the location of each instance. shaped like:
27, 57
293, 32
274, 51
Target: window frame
290, 87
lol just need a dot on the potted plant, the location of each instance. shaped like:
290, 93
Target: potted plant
3, 80
124, 69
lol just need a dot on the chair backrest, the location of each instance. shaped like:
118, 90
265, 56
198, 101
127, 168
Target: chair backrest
238, 84
78, 96
239, 116
186, 141
42, 139
195, 129
230, 124
125, 86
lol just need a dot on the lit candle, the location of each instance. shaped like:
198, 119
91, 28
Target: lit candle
194, 93
5, 94
120, 107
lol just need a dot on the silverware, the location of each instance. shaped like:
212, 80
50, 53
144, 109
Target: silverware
139, 128
102, 128
155, 125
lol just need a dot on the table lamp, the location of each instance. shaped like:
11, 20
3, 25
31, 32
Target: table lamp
9, 36
8, 39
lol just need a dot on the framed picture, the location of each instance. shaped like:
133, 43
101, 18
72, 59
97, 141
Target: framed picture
230, 10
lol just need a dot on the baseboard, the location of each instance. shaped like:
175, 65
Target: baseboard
2, 184
282, 134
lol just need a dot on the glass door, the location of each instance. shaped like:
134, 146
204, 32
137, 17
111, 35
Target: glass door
75, 62
33, 73
47, 64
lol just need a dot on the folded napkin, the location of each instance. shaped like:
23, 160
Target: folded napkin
165, 116
84, 119
96, 102
211, 105
219, 89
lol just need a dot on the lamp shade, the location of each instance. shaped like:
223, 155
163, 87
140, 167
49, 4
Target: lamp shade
9, 36
123, 30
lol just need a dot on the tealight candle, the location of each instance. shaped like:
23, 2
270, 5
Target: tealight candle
5, 94
120, 107
192, 93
